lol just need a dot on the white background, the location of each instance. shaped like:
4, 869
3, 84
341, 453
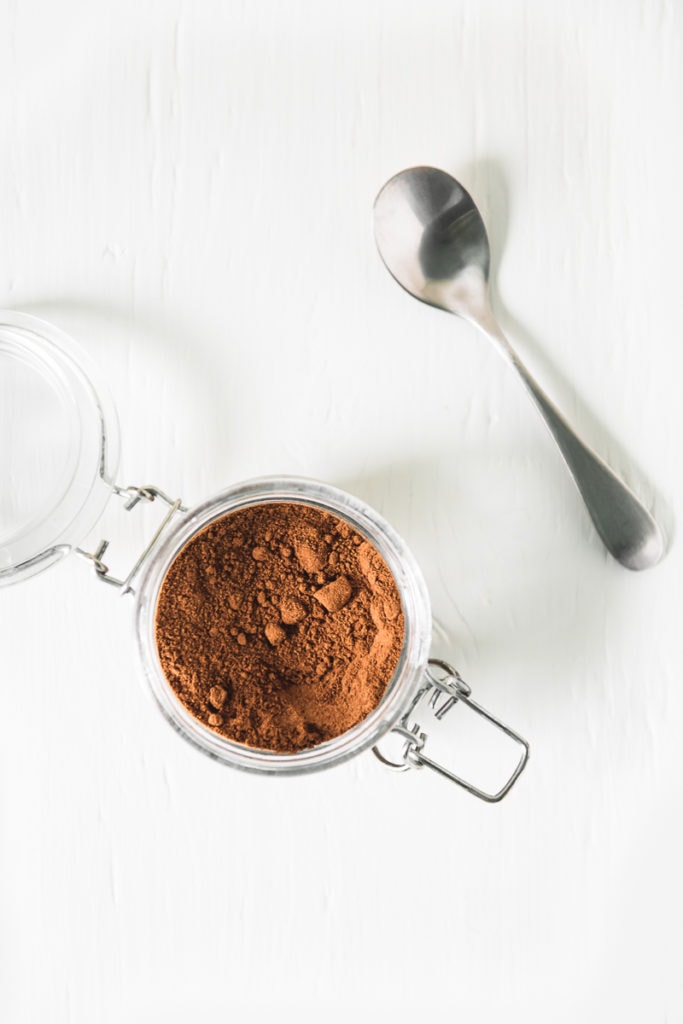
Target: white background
187, 189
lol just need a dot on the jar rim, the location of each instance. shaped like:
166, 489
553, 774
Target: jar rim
412, 589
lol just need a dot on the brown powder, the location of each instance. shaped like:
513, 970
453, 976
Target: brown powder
279, 626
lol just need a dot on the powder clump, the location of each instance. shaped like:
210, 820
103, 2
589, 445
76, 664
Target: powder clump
300, 619
333, 596
217, 696
292, 611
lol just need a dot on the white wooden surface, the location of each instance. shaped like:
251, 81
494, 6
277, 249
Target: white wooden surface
186, 188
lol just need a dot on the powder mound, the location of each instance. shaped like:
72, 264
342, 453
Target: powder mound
279, 626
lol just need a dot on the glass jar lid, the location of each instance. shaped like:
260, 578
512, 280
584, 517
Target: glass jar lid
59, 446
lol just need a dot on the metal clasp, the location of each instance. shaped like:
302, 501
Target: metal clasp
132, 495
446, 687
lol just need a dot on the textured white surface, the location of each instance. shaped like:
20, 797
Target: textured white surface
186, 188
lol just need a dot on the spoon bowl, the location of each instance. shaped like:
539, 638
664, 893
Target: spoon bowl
433, 241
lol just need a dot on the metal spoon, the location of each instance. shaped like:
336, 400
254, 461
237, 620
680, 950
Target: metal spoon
433, 241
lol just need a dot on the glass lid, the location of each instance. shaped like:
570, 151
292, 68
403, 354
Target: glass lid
58, 446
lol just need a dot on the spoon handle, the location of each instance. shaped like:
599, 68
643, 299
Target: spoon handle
627, 529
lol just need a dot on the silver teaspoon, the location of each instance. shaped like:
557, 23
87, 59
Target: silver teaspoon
433, 241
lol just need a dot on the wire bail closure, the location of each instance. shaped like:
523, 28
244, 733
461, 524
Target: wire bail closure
132, 496
447, 689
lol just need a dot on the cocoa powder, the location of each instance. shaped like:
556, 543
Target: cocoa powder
279, 626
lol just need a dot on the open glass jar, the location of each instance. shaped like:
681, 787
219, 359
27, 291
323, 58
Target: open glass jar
51, 392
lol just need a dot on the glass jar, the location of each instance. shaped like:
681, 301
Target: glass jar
48, 523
